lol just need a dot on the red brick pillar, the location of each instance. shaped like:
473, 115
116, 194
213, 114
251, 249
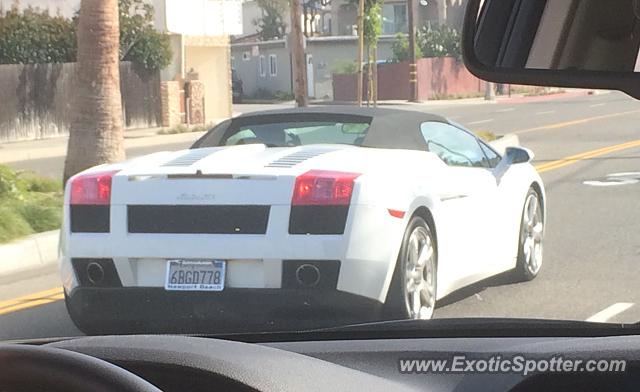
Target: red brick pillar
170, 96
195, 106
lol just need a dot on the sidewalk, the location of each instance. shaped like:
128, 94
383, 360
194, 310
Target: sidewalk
504, 99
31, 256
57, 147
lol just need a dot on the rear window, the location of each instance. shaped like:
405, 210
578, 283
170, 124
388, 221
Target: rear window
289, 134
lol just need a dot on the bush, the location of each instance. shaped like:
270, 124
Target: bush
344, 67
263, 93
12, 224
487, 136
29, 182
35, 37
182, 128
42, 213
440, 42
400, 48
8, 183
28, 204
283, 96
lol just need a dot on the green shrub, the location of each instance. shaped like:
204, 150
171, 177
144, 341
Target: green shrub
440, 42
28, 204
199, 128
283, 96
344, 67
29, 182
12, 223
8, 183
41, 217
182, 128
487, 136
400, 49
33, 36
263, 93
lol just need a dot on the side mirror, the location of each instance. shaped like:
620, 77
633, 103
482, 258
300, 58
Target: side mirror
512, 156
565, 43
517, 155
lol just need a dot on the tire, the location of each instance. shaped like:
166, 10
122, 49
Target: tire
529, 261
414, 269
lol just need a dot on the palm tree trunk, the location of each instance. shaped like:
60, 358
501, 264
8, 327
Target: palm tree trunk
96, 134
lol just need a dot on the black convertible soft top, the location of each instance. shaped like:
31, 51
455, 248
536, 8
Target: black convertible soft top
390, 128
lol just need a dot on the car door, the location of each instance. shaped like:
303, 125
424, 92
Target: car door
468, 195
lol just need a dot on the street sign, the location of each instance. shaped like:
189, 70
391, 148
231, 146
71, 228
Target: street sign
203, 18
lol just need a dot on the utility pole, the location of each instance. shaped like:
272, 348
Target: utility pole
360, 49
299, 59
413, 68
375, 76
489, 92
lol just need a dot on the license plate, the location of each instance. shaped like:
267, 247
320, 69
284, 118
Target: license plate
195, 275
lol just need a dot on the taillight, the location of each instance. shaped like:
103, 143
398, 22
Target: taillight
92, 189
318, 187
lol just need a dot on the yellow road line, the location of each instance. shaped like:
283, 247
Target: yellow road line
586, 155
576, 122
31, 300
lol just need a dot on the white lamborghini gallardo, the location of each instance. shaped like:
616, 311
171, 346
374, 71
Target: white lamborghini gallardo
335, 211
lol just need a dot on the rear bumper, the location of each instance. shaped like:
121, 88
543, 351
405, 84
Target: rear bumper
154, 310
367, 250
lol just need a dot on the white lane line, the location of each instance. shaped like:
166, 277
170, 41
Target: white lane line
547, 112
610, 312
596, 105
481, 122
505, 110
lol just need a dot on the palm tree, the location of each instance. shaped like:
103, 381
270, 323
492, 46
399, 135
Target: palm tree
96, 134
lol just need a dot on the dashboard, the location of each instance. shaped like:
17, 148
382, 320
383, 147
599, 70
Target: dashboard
175, 363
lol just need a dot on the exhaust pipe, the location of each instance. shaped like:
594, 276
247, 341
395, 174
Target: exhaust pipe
95, 273
308, 275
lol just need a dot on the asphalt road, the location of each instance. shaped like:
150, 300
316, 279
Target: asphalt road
592, 248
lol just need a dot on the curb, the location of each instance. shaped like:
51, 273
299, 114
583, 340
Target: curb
508, 140
29, 256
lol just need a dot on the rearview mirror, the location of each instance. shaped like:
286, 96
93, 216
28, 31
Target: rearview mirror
564, 43
354, 128
517, 155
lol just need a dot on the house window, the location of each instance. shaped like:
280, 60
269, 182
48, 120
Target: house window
262, 66
246, 56
273, 65
394, 18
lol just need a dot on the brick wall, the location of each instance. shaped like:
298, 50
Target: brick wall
437, 78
